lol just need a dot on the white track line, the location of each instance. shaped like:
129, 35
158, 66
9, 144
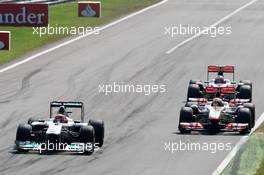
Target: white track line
232, 154
79, 37
212, 26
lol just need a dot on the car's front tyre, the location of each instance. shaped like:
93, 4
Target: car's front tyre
186, 116
87, 136
23, 134
99, 129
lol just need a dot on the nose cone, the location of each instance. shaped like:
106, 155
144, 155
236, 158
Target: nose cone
215, 114
54, 129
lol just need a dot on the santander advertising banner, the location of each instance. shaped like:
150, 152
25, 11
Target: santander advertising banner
89, 8
24, 15
5, 40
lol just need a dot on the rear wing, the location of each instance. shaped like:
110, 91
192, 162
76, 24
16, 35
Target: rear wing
220, 70
68, 105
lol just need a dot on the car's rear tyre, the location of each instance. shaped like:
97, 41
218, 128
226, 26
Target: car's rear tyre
189, 104
251, 106
245, 92
193, 106
23, 134
99, 129
244, 116
246, 82
30, 120
87, 136
186, 116
194, 91
194, 81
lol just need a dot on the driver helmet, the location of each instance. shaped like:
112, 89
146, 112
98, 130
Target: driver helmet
217, 102
219, 80
60, 118
62, 110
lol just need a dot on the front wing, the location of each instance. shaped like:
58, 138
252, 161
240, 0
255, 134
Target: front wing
62, 147
231, 127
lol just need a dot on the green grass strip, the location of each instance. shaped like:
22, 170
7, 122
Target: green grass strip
249, 157
23, 41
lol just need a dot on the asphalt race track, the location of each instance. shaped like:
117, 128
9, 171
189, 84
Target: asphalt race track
137, 126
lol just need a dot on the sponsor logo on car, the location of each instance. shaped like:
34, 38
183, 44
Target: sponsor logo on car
24, 14
89, 9
5, 40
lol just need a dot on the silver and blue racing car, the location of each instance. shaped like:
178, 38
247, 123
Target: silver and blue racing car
61, 132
